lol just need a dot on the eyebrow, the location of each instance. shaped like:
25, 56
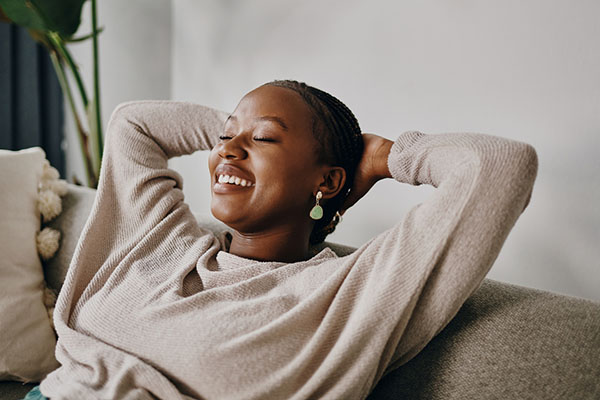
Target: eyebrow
268, 118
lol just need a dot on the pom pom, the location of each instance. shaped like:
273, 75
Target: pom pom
49, 204
51, 316
49, 302
49, 297
49, 172
59, 186
47, 242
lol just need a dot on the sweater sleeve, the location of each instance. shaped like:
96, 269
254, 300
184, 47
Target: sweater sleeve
137, 190
441, 251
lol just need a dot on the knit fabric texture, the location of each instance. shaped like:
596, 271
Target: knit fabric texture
154, 306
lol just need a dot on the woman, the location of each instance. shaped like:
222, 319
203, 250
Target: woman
155, 306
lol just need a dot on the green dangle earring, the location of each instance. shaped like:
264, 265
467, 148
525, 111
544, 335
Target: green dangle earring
317, 210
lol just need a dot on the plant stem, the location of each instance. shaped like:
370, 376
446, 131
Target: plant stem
64, 83
59, 44
97, 83
85, 37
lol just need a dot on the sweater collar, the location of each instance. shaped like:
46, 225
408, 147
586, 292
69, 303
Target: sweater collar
234, 261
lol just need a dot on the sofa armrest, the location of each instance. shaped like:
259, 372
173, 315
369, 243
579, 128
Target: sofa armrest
507, 342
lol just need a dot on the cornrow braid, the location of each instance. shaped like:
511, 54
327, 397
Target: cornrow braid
337, 130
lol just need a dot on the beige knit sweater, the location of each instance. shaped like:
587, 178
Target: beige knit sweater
154, 306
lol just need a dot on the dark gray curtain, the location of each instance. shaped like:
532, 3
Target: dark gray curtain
31, 102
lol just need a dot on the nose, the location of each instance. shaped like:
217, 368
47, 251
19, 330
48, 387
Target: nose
233, 148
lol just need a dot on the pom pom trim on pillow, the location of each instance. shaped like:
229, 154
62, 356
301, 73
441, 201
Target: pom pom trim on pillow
47, 242
49, 302
49, 204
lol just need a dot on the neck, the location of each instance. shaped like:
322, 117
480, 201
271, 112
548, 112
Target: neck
284, 245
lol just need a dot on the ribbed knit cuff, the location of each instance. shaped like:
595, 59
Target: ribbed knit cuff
401, 154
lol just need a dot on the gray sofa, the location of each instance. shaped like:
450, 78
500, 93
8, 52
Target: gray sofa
507, 342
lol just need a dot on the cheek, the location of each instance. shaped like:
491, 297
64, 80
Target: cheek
285, 182
213, 161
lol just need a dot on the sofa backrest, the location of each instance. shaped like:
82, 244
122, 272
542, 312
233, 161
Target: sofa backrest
76, 207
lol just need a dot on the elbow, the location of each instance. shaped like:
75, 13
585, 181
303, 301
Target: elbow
528, 154
122, 113
122, 119
531, 160
511, 168
527, 167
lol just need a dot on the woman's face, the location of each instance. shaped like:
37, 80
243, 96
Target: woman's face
267, 142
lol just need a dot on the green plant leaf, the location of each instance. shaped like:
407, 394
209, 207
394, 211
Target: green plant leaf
62, 16
3, 17
19, 13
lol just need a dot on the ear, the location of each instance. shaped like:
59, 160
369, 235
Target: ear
333, 181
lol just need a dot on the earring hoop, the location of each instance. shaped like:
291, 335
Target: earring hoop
316, 212
339, 216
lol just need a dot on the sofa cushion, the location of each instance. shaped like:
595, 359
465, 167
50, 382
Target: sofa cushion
27, 340
77, 204
507, 342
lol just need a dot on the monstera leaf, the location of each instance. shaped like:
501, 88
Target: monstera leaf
60, 16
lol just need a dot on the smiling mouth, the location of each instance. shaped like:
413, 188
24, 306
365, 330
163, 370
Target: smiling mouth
234, 180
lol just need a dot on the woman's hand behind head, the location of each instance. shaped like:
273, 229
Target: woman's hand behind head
371, 168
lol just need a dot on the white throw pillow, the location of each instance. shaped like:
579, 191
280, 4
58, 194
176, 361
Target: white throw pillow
27, 340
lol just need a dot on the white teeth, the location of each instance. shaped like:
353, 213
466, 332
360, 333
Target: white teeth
234, 180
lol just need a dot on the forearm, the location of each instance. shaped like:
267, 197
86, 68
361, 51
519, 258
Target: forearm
418, 158
484, 183
178, 128
137, 189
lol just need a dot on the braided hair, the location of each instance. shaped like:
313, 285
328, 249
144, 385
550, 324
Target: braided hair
337, 131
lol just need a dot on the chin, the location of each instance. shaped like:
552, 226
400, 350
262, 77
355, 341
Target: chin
238, 220
225, 216
228, 216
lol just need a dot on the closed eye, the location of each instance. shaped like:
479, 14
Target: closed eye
260, 139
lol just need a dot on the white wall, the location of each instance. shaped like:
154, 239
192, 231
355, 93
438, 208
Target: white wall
135, 61
522, 70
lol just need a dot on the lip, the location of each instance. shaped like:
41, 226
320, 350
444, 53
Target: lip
231, 169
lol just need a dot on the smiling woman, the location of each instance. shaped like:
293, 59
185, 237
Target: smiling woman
275, 126
155, 306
